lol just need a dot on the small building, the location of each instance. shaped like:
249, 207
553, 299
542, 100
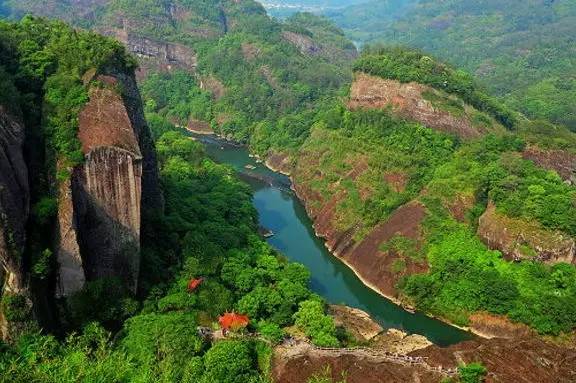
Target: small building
233, 321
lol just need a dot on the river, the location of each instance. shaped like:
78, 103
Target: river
280, 211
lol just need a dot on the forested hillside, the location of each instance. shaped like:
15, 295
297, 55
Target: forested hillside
401, 198
522, 50
249, 68
205, 232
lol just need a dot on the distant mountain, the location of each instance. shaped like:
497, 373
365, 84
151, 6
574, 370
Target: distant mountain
285, 8
369, 20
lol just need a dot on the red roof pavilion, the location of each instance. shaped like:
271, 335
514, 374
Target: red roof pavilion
233, 321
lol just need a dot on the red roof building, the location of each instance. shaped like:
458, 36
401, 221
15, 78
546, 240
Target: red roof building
233, 321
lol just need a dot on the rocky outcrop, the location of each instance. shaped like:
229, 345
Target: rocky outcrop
155, 55
520, 240
356, 322
522, 360
407, 101
399, 342
100, 210
305, 44
14, 202
199, 127
279, 162
561, 161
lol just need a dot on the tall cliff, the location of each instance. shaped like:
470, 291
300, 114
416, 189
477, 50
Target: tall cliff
81, 159
100, 207
14, 208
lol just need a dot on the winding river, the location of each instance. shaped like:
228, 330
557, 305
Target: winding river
281, 211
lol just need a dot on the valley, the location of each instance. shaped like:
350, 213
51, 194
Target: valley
194, 191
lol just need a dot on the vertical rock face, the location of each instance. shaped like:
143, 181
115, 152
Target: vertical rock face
14, 199
14, 196
101, 236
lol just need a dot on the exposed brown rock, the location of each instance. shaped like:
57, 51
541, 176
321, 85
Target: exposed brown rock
561, 161
155, 55
304, 43
14, 199
71, 276
376, 266
525, 360
250, 51
104, 121
199, 127
519, 239
406, 100
399, 342
494, 326
279, 162
299, 362
214, 86
460, 205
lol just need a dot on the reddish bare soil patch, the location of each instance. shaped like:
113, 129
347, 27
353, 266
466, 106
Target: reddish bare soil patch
526, 360
396, 180
298, 366
491, 325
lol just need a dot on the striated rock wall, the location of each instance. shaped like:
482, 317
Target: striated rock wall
71, 276
14, 202
519, 240
154, 54
107, 195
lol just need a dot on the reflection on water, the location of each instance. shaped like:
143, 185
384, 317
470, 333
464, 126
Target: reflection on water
281, 212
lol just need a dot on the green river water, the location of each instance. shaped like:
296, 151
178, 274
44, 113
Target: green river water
281, 211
